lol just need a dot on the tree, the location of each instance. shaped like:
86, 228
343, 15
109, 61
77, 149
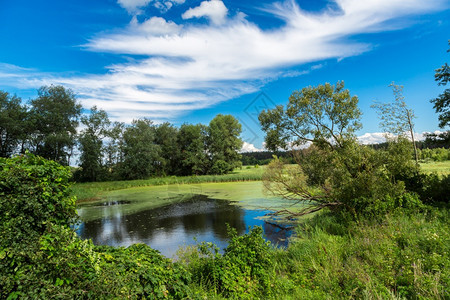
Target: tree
325, 115
336, 172
224, 143
166, 136
54, 116
442, 102
193, 151
91, 145
141, 156
13, 124
114, 149
396, 118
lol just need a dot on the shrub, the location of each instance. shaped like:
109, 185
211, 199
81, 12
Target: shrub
244, 270
58, 265
33, 193
140, 272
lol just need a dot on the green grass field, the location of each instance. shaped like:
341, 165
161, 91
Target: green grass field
438, 167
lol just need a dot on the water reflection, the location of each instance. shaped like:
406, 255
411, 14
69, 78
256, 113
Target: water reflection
169, 227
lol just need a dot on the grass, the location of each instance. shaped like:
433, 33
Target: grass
92, 191
439, 167
402, 256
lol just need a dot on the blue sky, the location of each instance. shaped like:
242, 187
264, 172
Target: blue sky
186, 61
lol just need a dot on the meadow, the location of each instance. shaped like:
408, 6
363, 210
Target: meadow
439, 167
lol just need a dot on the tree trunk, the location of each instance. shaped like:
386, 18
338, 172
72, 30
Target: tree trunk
411, 130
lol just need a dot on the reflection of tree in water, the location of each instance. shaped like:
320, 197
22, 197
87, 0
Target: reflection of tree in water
197, 215
277, 233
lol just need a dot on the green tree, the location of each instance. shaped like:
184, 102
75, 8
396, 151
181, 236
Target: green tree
141, 156
396, 118
114, 149
13, 124
193, 151
91, 145
442, 102
166, 136
224, 143
54, 115
336, 172
326, 115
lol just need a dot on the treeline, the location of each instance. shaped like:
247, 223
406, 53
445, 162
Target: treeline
113, 150
264, 157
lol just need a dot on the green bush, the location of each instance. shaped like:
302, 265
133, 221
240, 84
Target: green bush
244, 270
140, 272
58, 265
33, 193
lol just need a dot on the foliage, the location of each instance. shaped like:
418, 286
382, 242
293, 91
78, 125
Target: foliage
33, 193
436, 140
166, 136
325, 115
244, 270
54, 117
140, 272
335, 171
13, 116
192, 145
92, 150
140, 153
58, 265
436, 154
224, 143
396, 118
442, 102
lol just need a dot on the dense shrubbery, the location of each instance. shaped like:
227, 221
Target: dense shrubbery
244, 270
33, 193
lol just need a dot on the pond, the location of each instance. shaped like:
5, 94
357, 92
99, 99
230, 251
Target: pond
125, 217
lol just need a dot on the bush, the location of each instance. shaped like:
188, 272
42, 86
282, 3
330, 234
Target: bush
244, 271
140, 272
33, 193
58, 265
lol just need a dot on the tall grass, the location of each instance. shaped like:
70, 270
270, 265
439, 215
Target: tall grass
405, 256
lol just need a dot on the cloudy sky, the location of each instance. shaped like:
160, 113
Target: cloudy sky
186, 61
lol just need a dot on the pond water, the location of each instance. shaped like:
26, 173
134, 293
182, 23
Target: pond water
198, 218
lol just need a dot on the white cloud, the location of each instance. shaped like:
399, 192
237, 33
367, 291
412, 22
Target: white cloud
380, 137
248, 147
214, 10
184, 67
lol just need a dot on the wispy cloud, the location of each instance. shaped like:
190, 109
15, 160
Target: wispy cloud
184, 67
134, 7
